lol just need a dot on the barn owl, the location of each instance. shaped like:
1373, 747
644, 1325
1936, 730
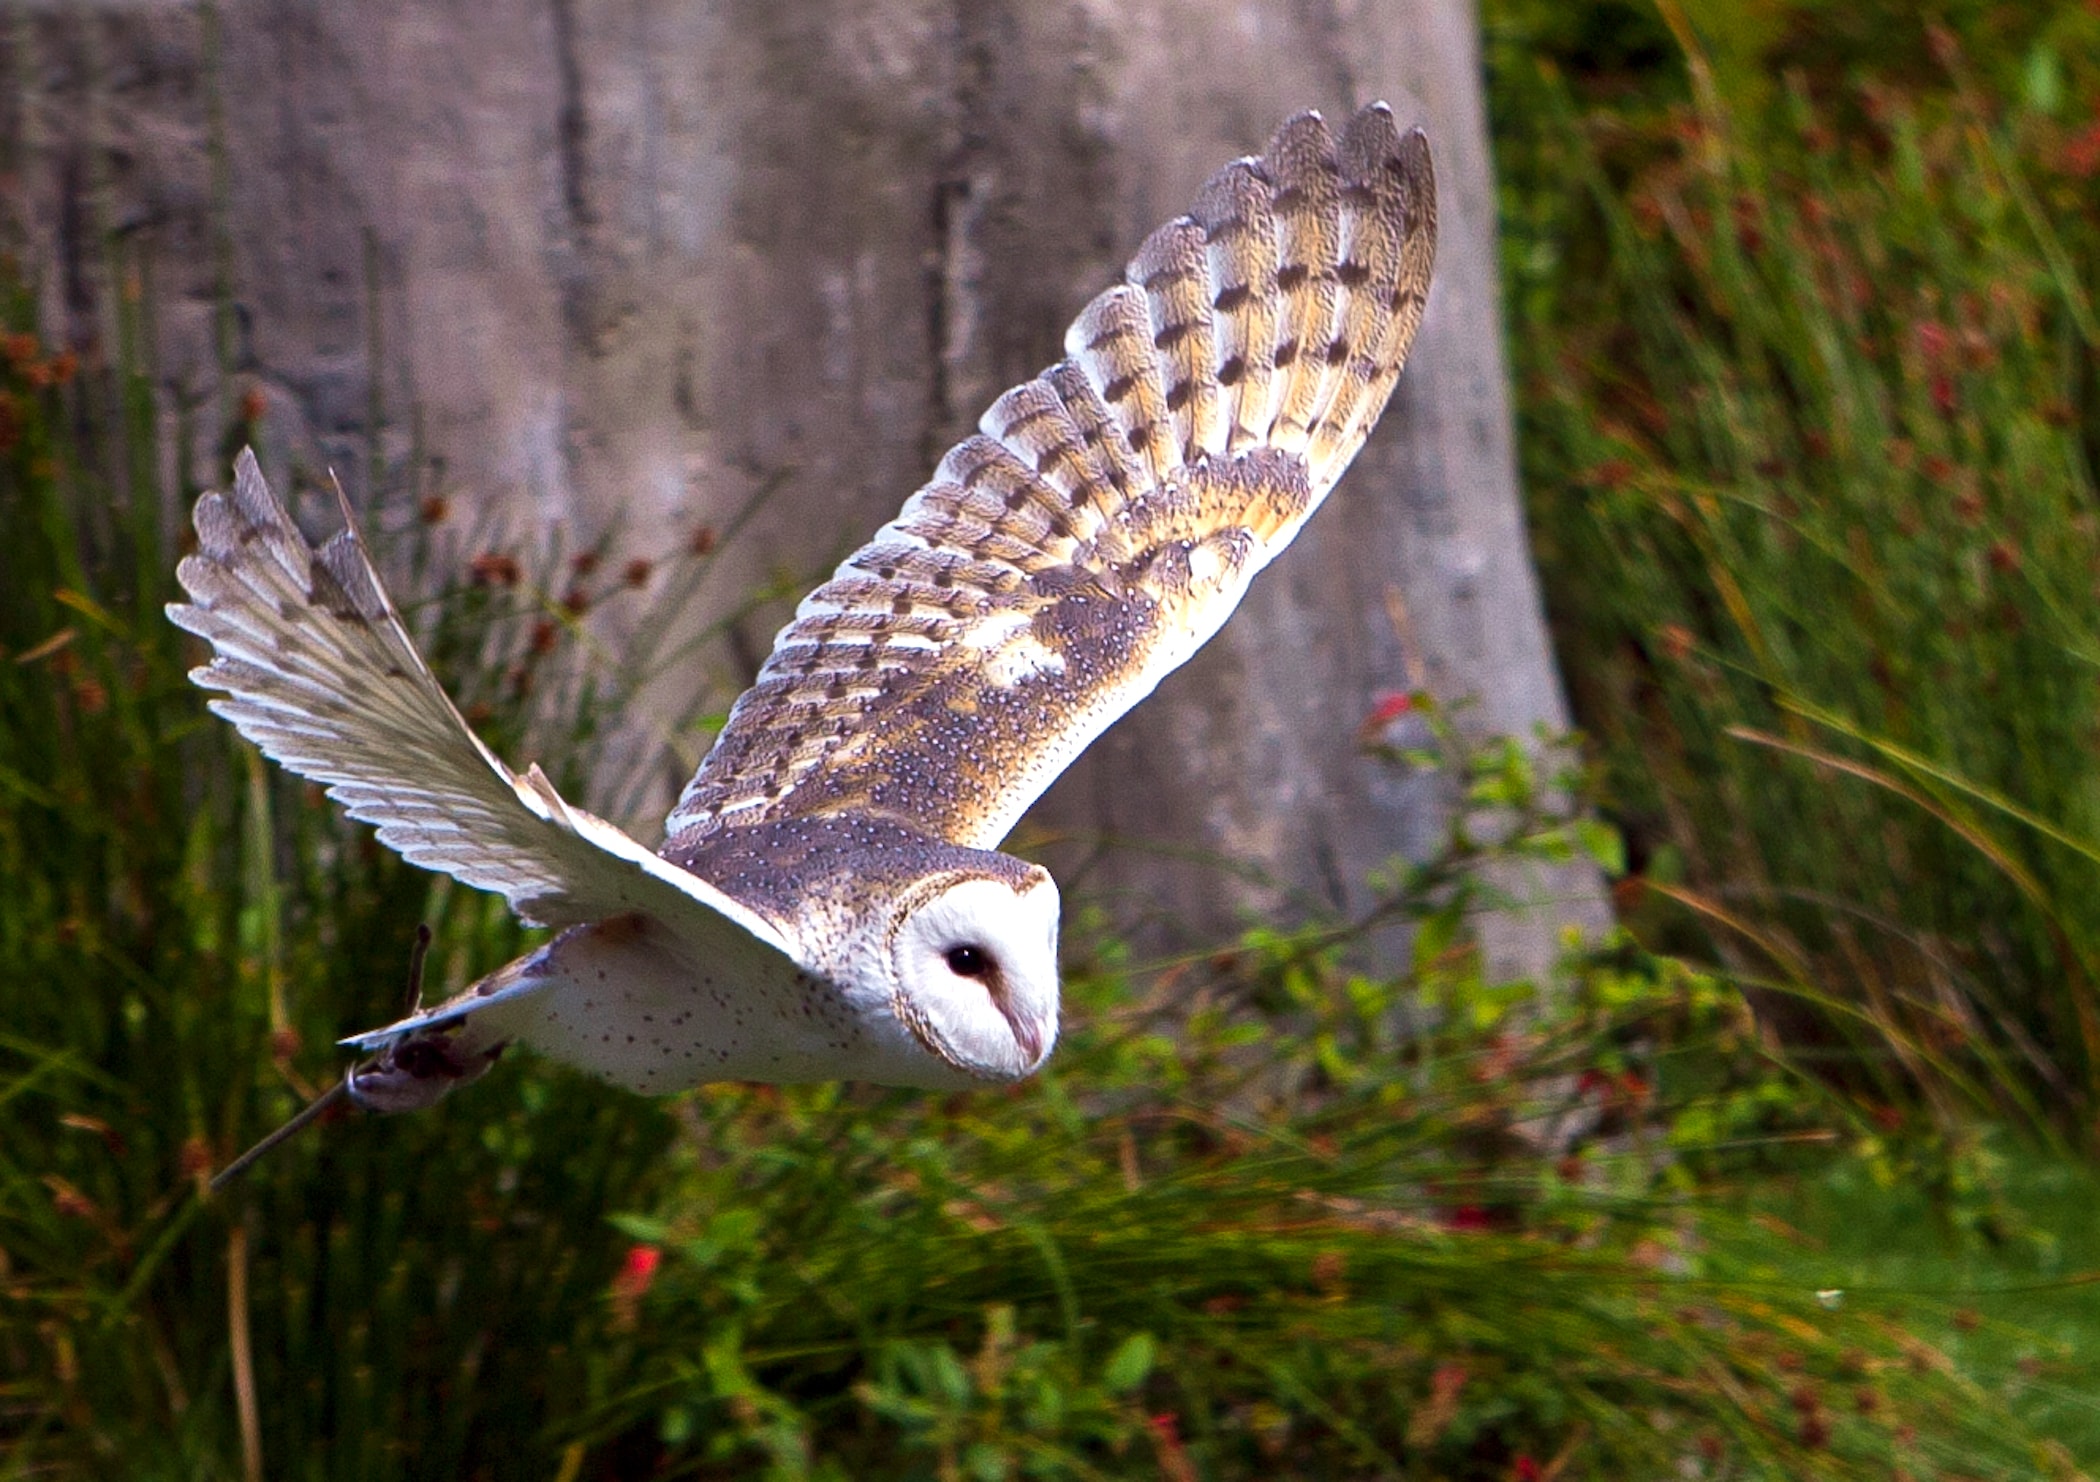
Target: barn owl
828, 902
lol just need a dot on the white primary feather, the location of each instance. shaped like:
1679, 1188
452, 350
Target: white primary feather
319, 672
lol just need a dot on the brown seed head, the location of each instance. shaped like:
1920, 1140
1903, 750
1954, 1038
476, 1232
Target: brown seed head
495, 569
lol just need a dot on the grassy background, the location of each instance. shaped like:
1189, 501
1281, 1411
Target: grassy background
1801, 308
1809, 425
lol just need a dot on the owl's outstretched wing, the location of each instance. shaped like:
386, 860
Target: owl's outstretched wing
319, 672
1111, 513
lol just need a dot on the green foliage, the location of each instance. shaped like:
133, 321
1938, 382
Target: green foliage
1808, 356
186, 932
1267, 1215
1244, 1226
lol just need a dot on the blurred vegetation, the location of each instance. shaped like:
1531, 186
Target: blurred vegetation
1246, 1223
1803, 328
1807, 352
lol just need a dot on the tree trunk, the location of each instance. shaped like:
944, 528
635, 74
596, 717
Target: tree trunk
625, 262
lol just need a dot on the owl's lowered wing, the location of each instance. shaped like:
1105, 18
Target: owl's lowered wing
1111, 513
319, 673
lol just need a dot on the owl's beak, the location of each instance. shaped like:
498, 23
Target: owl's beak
1027, 1033
1027, 1029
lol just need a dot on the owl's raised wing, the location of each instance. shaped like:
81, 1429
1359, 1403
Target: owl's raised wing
1112, 511
321, 675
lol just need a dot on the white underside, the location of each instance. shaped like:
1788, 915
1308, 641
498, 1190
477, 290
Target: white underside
629, 1003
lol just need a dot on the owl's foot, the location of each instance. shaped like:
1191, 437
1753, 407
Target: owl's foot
414, 1071
420, 1067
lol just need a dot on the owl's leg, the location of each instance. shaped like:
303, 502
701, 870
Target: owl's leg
422, 1063
390, 1081
415, 1069
408, 1074
421, 1067
416, 1060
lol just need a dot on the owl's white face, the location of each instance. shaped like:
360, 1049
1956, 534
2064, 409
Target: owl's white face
975, 963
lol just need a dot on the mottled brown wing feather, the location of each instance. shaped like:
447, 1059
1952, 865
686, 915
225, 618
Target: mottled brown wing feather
1111, 512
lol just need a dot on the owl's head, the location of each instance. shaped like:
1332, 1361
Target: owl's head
974, 969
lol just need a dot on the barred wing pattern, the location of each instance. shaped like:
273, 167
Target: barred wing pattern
1111, 512
319, 672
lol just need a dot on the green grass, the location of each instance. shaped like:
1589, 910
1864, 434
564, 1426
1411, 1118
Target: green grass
2015, 1295
1807, 349
185, 935
1302, 1251
1244, 1225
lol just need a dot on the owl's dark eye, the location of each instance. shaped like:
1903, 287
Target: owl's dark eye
969, 962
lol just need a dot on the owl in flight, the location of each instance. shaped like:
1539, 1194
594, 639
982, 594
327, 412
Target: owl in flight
828, 903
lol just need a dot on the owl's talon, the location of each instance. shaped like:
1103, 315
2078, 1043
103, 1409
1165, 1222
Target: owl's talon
419, 1069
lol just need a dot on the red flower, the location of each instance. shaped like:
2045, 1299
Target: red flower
631, 1283
1526, 1469
1173, 1456
1390, 707
637, 1272
1612, 474
1468, 1217
494, 569
2082, 151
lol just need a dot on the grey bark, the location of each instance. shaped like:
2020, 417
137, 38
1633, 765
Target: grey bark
595, 260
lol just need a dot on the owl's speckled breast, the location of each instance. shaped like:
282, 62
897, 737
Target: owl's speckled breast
629, 1001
